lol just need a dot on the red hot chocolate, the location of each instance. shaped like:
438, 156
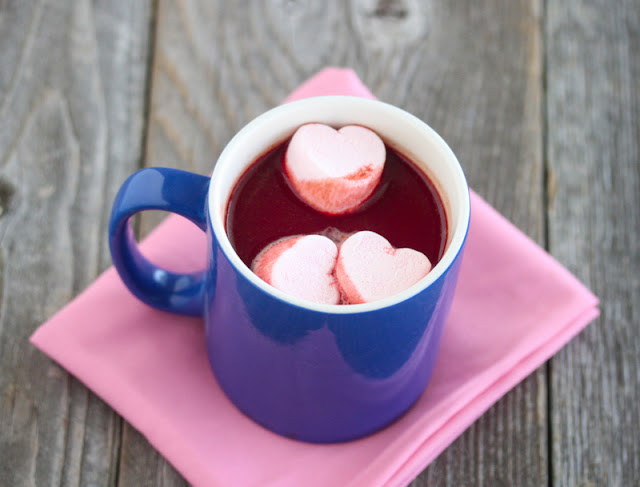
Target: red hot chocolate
405, 208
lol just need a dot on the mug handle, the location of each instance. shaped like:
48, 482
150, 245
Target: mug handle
172, 190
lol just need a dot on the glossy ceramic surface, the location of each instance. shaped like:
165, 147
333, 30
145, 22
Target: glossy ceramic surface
319, 376
321, 373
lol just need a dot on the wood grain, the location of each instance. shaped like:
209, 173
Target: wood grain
72, 81
593, 107
539, 100
483, 93
473, 70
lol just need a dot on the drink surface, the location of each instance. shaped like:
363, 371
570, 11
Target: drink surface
405, 208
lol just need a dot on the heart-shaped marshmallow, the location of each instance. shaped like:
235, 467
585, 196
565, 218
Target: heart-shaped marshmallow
301, 266
370, 268
334, 171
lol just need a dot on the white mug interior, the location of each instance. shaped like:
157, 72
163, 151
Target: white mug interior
399, 129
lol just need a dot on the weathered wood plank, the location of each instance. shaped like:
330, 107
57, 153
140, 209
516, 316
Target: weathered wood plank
143, 465
493, 451
72, 81
482, 90
470, 69
593, 107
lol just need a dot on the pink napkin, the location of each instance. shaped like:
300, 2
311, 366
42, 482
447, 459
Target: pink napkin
515, 307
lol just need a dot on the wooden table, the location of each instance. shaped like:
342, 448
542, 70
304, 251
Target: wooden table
539, 99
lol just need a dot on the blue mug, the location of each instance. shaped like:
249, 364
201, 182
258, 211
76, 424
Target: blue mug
313, 372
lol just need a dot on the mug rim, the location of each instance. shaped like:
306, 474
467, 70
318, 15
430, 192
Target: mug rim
218, 198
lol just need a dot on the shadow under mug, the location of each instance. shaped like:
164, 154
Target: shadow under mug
313, 372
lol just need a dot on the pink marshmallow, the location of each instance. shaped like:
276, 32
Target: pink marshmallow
301, 266
370, 268
334, 171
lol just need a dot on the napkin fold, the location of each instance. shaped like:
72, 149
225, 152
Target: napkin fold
514, 307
